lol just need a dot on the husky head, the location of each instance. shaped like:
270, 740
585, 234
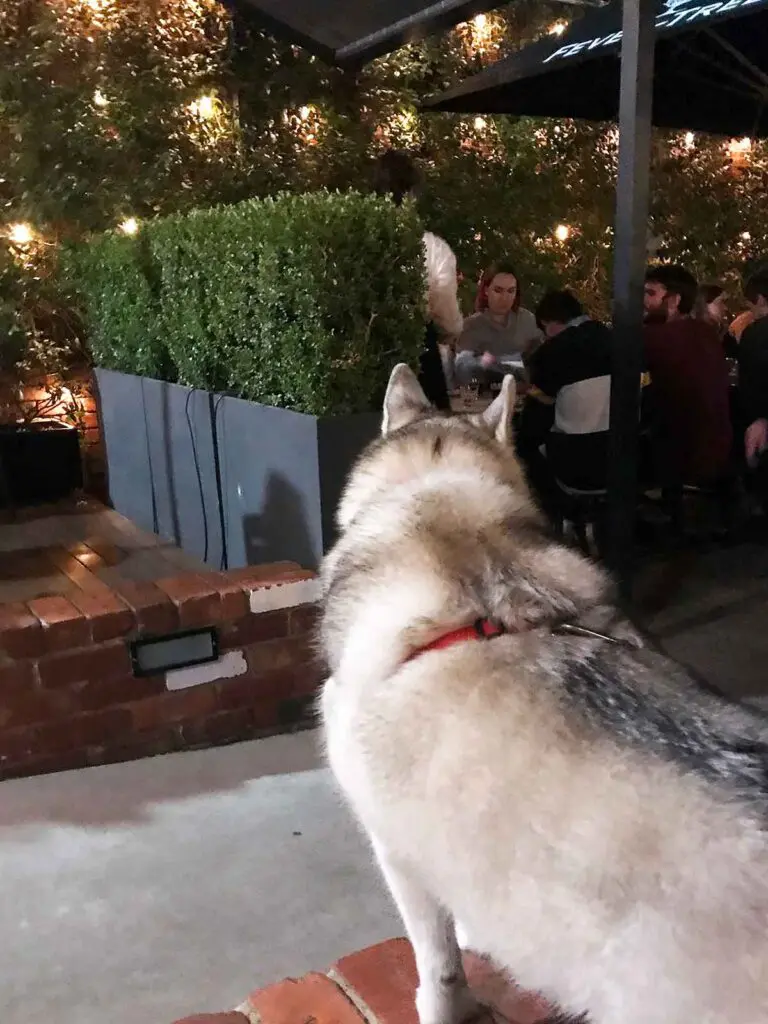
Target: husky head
448, 494
416, 440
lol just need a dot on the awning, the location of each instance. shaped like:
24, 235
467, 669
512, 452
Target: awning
352, 32
711, 71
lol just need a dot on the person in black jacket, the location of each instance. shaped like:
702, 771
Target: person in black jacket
753, 384
753, 367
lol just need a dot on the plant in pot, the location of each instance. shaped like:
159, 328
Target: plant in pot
241, 355
40, 409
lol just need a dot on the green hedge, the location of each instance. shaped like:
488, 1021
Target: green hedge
300, 301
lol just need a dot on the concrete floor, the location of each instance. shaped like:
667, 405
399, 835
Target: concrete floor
138, 893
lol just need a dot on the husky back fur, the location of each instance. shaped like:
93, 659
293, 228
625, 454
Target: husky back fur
594, 819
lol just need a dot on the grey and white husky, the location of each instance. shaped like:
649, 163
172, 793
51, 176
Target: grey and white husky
520, 760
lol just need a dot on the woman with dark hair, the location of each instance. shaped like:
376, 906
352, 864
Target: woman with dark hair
501, 333
397, 176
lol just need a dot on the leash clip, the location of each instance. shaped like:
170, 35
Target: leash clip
590, 634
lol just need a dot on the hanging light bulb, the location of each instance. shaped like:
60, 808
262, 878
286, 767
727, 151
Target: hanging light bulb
558, 28
480, 22
690, 140
562, 232
99, 99
480, 124
129, 226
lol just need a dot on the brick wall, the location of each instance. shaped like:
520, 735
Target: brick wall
69, 698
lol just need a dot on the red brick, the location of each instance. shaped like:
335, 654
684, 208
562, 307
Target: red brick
64, 626
83, 731
154, 611
97, 664
385, 978
16, 677
21, 634
18, 745
28, 709
234, 600
198, 603
104, 693
163, 741
45, 765
275, 654
292, 681
253, 575
304, 619
108, 615
311, 998
174, 706
494, 988
251, 629
243, 691
222, 727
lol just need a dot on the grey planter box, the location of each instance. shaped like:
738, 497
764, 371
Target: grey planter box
282, 472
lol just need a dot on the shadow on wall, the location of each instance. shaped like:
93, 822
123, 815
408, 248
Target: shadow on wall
280, 532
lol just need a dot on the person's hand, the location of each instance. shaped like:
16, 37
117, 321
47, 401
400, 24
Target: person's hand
755, 440
487, 359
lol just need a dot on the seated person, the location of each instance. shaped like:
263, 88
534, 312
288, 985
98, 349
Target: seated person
567, 406
753, 381
500, 331
689, 371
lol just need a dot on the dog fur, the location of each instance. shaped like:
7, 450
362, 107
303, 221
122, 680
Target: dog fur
593, 817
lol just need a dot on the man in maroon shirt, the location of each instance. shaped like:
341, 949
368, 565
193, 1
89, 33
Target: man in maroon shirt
689, 377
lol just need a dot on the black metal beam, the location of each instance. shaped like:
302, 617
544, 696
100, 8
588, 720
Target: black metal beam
630, 255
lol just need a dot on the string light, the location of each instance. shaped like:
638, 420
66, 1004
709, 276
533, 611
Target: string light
562, 232
483, 35
690, 140
558, 28
738, 150
21, 234
99, 99
129, 226
746, 236
307, 122
480, 124
204, 108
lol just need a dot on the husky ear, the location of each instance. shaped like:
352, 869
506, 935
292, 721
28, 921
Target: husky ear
404, 401
498, 416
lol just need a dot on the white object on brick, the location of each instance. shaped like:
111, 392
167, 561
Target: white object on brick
227, 666
284, 595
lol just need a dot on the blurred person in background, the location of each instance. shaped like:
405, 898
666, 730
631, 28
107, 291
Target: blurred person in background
397, 176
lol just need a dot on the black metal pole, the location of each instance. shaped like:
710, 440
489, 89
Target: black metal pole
632, 189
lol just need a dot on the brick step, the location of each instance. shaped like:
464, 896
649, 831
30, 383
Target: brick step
69, 696
376, 985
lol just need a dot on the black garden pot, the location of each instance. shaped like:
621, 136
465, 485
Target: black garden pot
40, 462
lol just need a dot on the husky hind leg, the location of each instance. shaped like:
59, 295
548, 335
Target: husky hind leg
443, 996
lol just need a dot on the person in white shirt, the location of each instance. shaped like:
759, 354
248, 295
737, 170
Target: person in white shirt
397, 176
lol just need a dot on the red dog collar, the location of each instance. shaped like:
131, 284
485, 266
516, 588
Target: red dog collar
481, 629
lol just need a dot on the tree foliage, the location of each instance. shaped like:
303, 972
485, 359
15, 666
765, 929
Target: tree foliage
118, 109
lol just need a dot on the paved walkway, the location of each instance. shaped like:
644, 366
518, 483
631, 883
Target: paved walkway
139, 893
